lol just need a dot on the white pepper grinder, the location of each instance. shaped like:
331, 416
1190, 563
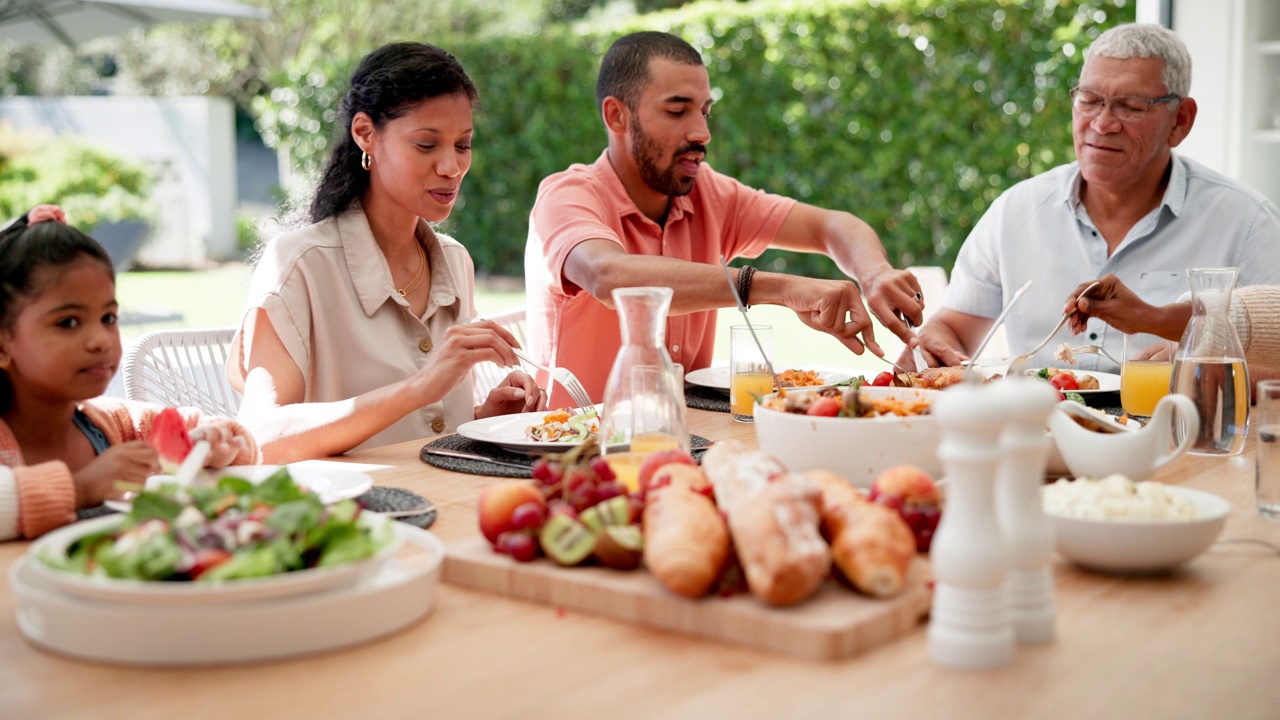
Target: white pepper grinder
1028, 536
968, 625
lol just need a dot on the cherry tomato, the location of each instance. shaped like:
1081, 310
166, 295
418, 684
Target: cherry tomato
824, 407
207, 558
884, 379
1063, 381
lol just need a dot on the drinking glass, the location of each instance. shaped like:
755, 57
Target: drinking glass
749, 377
1268, 452
656, 420
1145, 371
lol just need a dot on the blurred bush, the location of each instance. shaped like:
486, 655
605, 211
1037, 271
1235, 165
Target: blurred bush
912, 114
93, 185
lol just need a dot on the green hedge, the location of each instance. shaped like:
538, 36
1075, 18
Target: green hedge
913, 114
92, 184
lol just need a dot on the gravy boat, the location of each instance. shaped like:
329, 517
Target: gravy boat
1094, 446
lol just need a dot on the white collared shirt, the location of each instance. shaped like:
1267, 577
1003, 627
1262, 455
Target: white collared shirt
1039, 230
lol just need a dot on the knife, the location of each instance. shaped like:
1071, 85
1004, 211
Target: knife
473, 456
973, 359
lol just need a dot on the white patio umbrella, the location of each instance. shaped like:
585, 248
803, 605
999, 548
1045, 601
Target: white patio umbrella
68, 22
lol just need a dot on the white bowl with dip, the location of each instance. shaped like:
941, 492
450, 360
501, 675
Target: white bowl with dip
1104, 530
857, 449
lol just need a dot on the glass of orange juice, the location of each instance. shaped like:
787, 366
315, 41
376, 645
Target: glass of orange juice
749, 378
657, 421
1145, 372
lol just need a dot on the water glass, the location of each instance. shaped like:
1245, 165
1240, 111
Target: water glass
1268, 451
749, 377
1145, 371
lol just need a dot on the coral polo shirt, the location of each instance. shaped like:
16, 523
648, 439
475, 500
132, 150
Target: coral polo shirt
568, 327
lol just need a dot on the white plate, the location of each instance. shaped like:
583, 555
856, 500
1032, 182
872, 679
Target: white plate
1107, 382
332, 481
717, 377
401, 592
299, 582
508, 432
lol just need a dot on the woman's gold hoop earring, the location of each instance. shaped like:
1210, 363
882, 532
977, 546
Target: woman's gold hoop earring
365, 160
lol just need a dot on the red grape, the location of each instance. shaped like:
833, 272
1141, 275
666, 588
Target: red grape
610, 488
518, 544
528, 516
602, 469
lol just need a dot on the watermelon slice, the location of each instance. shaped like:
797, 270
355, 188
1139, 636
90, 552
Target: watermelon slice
170, 439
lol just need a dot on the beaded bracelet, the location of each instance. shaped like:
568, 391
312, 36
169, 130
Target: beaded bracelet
744, 284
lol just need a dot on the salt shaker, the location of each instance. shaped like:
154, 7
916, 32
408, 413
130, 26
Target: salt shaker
968, 626
1028, 536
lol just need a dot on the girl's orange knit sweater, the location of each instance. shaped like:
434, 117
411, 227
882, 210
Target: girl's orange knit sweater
35, 499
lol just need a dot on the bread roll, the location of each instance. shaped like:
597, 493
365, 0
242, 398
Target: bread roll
776, 535
773, 518
871, 544
685, 539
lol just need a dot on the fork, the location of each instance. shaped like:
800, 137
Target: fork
567, 380
1094, 350
1017, 363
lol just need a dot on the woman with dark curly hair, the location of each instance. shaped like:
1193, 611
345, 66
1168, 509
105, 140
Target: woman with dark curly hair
355, 330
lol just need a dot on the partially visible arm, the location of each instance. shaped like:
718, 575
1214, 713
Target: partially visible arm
831, 306
857, 251
951, 336
46, 497
289, 429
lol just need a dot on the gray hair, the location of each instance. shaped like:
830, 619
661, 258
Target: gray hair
1145, 40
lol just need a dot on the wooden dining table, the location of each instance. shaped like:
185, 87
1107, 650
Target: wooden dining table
1201, 642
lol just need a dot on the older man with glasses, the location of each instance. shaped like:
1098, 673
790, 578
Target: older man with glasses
1128, 206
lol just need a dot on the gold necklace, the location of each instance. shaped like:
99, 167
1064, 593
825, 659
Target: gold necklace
422, 266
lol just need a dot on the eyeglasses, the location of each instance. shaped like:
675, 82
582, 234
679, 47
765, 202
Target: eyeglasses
1125, 108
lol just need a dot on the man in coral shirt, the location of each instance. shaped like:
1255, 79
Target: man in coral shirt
650, 212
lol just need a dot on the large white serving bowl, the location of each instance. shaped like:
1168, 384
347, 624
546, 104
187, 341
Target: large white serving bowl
1142, 546
857, 449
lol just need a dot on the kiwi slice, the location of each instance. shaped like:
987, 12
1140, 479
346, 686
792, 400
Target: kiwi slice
620, 546
566, 540
614, 511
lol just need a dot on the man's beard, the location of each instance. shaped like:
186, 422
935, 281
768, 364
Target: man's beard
649, 157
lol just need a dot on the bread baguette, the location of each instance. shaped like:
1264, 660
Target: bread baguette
686, 540
870, 543
773, 518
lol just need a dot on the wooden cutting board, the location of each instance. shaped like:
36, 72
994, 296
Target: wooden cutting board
835, 623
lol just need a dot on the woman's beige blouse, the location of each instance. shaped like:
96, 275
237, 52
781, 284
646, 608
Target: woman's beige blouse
328, 292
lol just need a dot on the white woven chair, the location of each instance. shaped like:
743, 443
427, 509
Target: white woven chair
487, 375
182, 367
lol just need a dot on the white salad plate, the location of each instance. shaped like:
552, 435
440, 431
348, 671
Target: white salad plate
717, 377
399, 593
145, 592
1107, 382
332, 481
509, 432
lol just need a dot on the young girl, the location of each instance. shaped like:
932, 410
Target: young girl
63, 447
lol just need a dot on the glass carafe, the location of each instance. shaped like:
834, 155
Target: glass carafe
644, 409
1209, 366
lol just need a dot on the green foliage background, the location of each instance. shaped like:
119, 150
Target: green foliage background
912, 114
93, 185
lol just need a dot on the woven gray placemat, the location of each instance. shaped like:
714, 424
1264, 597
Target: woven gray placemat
703, 398
378, 499
391, 499
489, 450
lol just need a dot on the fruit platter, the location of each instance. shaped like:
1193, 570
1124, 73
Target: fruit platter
740, 550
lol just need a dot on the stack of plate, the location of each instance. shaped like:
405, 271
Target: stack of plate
179, 623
